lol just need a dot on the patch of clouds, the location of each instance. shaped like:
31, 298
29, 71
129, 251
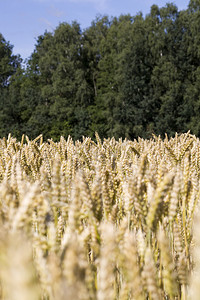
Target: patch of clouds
48, 23
99, 4
55, 12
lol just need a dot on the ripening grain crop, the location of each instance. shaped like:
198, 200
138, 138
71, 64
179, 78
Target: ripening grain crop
100, 220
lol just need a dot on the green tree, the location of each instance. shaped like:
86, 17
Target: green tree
9, 102
93, 38
64, 89
136, 67
109, 100
166, 78
191, 107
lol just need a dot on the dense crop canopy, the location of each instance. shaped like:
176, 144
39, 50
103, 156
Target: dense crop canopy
106, 220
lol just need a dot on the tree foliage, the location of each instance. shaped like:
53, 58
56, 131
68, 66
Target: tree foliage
123, 76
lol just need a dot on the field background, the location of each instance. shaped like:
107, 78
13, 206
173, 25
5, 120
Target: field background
123, 76
100, 219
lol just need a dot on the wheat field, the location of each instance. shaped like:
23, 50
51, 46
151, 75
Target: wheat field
100, 220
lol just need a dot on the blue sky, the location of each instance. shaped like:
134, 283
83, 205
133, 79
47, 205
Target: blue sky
22, 21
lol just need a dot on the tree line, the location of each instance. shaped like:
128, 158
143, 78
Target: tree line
125, 76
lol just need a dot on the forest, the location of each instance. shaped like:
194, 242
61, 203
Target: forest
122, 77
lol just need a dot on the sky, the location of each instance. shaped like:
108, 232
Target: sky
22, 21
